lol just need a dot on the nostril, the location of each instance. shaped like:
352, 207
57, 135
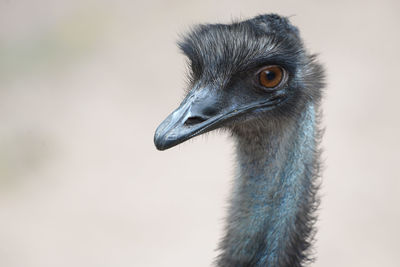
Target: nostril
194, 120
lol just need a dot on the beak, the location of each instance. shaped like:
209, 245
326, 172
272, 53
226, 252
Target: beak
200, 112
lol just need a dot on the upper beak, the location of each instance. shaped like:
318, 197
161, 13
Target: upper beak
201, 111
198, 113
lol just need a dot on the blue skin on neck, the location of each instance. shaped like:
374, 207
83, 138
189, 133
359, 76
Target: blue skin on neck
274, 176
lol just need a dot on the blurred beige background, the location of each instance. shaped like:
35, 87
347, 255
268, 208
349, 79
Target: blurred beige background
83, 85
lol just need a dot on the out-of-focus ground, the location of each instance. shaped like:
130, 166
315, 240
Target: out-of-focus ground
83, 85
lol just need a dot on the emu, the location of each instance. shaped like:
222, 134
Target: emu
256, 80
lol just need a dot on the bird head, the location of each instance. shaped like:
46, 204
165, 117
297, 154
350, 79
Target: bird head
244, 73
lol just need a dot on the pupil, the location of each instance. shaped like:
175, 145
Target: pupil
270, 75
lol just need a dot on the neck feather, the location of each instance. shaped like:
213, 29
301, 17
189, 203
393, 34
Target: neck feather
271, 216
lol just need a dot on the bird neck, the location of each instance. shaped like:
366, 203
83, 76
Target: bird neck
271, 215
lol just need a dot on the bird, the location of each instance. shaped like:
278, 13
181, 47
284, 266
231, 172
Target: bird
256, 80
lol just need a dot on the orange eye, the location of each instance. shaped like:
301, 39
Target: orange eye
271, 76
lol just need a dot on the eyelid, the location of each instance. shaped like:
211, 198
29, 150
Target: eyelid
270, 65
